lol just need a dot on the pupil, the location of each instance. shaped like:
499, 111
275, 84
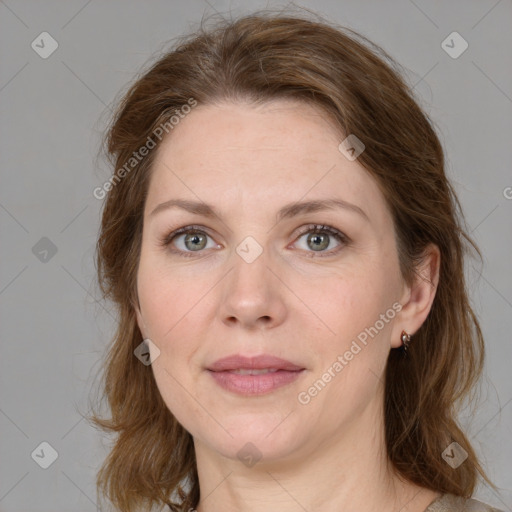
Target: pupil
319, 238
195, 239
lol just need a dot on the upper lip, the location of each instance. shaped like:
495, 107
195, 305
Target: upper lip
261, 362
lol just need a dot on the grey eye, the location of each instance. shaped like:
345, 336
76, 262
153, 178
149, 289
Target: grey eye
318, 241
195, 241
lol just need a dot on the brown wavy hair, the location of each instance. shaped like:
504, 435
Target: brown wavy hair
255, 59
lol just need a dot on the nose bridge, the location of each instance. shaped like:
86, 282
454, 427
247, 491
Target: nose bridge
249, 279
252, 294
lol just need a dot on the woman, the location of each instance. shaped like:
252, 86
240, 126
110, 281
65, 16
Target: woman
287, 257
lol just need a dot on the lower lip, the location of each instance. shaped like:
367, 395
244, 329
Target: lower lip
254, 384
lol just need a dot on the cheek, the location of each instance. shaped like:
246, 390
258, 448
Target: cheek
165, 295
353, 352
348, 301
350, 310
168, 304
174, 305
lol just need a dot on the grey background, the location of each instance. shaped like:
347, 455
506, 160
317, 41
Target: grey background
52, 113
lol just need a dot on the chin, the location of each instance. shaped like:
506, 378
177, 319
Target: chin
257, 438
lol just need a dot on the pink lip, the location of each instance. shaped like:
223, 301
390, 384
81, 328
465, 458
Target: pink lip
238, 362
222, 373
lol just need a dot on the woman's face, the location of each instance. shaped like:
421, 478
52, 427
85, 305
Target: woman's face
248, 281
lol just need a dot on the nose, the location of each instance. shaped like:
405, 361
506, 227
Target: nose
253, 296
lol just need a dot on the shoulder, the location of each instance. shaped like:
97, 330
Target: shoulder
452, 503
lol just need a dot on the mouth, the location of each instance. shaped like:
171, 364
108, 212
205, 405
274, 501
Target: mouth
252, 371
266, 362
254, 375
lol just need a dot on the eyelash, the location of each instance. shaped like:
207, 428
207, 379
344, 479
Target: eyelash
313, 228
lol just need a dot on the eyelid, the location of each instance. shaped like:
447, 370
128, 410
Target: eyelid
323, 228
166, 240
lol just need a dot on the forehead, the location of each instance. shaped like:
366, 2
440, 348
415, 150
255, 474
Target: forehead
246, 156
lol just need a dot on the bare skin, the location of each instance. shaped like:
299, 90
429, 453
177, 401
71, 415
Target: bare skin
293, 301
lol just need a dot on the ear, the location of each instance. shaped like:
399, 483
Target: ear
417, 299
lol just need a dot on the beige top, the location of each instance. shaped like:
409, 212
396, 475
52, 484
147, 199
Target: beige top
451, 503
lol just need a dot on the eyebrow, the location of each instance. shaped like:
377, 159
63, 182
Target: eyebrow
286, 212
